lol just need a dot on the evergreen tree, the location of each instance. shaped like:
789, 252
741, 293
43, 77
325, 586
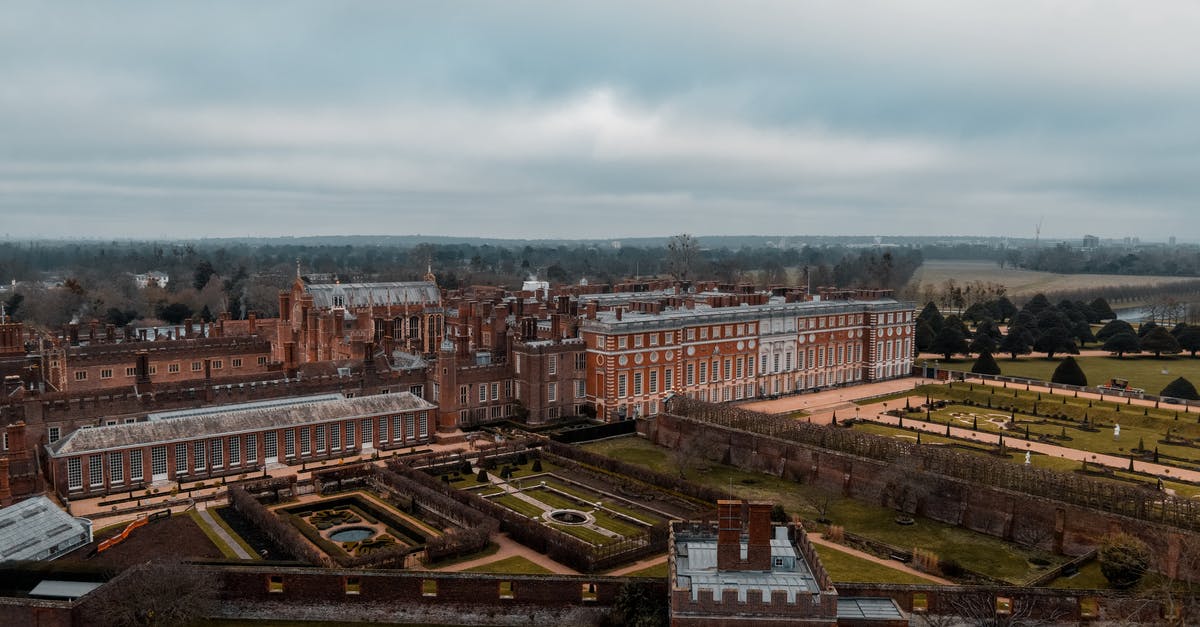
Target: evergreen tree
1189, 340
1068, 372
1113, 328
1123, 343
986, 364
1158, 341
1103, 311
1180, 388
949, 341
1018, 342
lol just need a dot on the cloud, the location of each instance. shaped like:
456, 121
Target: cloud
543, 119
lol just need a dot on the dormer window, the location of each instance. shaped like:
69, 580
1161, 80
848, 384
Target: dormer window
339, 301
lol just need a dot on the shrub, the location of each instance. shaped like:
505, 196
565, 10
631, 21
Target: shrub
986, 364
482, 477
1068, 372
537, 465
951, 568
1124, 559
1180, 388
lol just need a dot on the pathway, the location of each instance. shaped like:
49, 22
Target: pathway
222, 534
637, 566
816, 538
510, 548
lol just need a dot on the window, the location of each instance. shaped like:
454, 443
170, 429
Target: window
728, 368
587, 592
689, 373
81, 375
353, 585
106, 373
482, 393
289, 443
637, 383
495, 391
172, 368
197, 366
275, 584
622, 341
463, 391
236, 362
251, 448
116, 468
703, 372
320, 438
508, 391
217, 364
552, 390
305, 441
739, 367
235, 451
690, 335
653, 381
218, 452
198, 458
638, 340
621, 386
581, 361
74, 474
181, 464
262, 361
552, 364
270, 445
367, 429
704, 333
95, 470
349, 435
668, 380
429, 587
135, 465
335, 437
580, 388
423, 424
654, 339
506, 590
396, 426
409, 429
53, 434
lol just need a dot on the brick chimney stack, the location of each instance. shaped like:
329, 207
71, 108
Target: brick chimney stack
732, 516
729, 534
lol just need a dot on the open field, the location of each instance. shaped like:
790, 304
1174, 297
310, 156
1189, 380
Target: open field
1144, 372
973, 550
514, 564
1025, 283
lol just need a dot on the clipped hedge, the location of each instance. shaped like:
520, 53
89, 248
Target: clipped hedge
282, 533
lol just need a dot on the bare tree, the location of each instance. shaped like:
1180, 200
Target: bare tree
982, 610
682, 251
162, 592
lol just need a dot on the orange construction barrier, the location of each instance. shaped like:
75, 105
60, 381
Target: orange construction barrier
120, 537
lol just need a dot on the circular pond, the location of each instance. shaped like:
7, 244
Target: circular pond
352, 534
569, 517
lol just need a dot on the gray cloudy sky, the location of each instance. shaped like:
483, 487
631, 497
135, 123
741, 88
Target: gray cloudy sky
556, 119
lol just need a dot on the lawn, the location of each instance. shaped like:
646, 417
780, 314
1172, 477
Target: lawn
518, 506
973, 550
1144, 371
511, 565
658, 570
845, 567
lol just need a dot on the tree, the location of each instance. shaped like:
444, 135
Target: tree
1055, 340
1158, 341
682, 251
1114, 327
1146, 327
931, 316
1068, 372
1180, 388
1037, 304
924, 336
161, 592
1019, 341
175, 313
1005, 309
779, 514
1124, 559
1100, 306
204, 271
1189, 340
948, 341
986, 364
1122, 343
636, 605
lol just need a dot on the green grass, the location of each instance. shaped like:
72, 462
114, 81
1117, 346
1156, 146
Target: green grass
490, 549
236, 538
1089, 577
225, 549
511, 565
973, 550
517, 505
1142, 371
849, 568
585, 534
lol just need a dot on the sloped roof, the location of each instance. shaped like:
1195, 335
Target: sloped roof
35, 529
368, 294
221, 421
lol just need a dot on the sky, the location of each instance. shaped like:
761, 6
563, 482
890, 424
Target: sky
594, 120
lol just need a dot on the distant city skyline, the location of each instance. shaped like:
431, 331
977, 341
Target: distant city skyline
611, 120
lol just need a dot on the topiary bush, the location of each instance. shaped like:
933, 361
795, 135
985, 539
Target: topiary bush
1124, 559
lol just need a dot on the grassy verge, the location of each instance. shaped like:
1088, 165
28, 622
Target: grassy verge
212, 535
490, 549
843, 566
658, 570
1142, 371
232, 534
511, 565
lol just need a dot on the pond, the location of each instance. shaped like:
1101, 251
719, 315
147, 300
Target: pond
352, 534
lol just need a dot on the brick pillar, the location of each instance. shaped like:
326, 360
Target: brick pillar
758, 552
729, 534
5, 488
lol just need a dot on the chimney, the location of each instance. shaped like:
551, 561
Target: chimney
729, 534
591, 310
73, 334
16, 441
252, 318
556, 327
110, 333
619, 310
142, 368
191, 326
285, 306
758, 550
92, 326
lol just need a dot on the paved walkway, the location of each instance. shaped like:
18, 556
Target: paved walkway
207, 517
816, 538
511, 548
834, 398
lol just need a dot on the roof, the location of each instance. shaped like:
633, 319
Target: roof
868, 608
368, 294
707, 314
240, 418
696, 569
57, 589
34, 529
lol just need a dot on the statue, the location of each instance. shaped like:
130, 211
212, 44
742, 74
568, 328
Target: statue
1116, 432
1027, 462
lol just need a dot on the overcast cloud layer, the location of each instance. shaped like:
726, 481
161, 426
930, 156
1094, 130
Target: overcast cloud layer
558, 119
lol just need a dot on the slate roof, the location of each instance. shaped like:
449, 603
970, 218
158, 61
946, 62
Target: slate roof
368, 294
243, 418
34, 529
